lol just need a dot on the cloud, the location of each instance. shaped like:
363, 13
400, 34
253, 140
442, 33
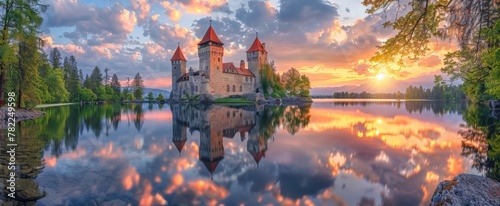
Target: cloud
361, 69
142, 9
204, 7
260, 15
430, 61
307, 15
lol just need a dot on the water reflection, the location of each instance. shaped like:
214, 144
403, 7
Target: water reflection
328, 153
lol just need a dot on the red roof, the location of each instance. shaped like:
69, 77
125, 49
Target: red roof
258, 156
210, 35
179, 145
178, 55
256, 46
229, 67
211, 165
185, 76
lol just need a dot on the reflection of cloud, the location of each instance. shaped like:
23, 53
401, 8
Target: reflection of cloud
336, 161
130, 178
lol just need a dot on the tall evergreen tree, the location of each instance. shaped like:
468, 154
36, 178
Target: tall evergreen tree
73, 79
55, 58
115, 84
95, 79
18, 20
138, 86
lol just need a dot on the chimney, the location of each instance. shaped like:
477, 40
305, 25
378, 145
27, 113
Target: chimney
242, 64
264, 45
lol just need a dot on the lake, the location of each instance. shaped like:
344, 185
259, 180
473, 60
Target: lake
328, 153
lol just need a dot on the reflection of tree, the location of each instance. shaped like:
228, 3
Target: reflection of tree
138, 116
29, 165
296, 117
482, 140
436, 107
290, 117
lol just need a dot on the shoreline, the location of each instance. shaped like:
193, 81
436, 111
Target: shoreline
20, 115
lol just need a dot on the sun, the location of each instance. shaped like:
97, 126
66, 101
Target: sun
380, 76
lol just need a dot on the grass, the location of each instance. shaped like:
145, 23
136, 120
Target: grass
233, 100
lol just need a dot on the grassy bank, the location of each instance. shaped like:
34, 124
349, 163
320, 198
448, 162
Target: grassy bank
234, 100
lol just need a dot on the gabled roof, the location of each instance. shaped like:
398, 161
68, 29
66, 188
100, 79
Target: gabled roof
230, 66
178, 55
210, 35
256, 46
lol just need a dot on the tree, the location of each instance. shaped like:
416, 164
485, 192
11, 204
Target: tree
95, 79
19, 20
87, 95
160, 97
461, 20
55, 85
73, 79
115, 84
138, 86
291, 80
55, 58
150, 96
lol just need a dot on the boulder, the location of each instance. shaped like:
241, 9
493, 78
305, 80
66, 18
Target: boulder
206, 98
467, 189
256, 97
494, 104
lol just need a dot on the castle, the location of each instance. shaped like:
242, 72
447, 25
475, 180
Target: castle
215, 77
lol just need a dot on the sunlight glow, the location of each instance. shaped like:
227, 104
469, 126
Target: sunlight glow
380, 76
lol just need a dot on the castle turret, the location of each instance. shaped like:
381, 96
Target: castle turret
210, 52
256, 57
242, 64
178, 69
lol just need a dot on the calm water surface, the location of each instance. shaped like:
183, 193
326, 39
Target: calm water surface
327, 153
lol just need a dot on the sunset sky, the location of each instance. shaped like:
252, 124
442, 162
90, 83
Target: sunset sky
329, 41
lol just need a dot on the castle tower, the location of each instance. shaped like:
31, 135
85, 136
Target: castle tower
178, 69
210, 52
179, 135
257, 57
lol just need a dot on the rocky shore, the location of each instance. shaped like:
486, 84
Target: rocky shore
467, 189
20, 115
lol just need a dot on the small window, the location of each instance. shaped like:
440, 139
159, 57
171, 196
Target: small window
246, 79
241, 88
196, 88
227, 88
234, 88
219, 59
175, 68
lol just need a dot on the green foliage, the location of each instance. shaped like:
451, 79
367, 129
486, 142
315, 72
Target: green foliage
475, 33
115, 84
296, 84
95, 80
150, 96
87, 95
491, 60
160, 97
55, 85
55, 58
138, 86
233, 100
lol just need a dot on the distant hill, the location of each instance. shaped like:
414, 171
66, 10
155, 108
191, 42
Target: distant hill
383, 86
165, 93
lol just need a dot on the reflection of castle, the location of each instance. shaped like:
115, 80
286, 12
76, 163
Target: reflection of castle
214, 124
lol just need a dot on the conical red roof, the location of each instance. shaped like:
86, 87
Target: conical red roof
210, 35
179, 145
178, 55
256, 46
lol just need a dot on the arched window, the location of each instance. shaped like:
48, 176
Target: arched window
175, 68
241, 88
246, 79
234, 88
219, 59
227, 88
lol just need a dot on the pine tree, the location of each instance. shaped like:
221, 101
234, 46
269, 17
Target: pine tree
55, 58
95, 79
115, 84
73, 80
138, 86
19, 21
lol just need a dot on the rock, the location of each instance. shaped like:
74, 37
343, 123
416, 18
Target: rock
494, 104
255, 97
20, 115
467, 189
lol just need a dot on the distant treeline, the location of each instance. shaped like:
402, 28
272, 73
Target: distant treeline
438, 92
